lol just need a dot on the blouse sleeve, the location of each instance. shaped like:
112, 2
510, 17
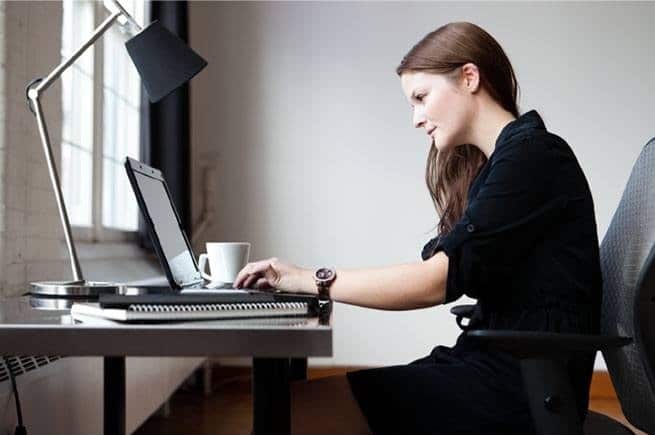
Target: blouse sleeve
512, 209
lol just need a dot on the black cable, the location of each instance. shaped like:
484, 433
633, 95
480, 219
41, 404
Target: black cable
20, 429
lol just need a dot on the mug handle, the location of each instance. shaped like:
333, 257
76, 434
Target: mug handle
202, 263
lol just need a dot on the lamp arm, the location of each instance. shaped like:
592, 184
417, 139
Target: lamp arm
56, 186
59, 70
34, 91
127, 15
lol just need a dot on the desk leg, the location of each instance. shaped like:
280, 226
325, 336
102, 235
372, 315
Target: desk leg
114, 395
270, 396
298, 369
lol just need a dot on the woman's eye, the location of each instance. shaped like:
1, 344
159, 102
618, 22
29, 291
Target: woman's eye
419, 97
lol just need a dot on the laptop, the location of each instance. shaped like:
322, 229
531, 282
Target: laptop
170, 242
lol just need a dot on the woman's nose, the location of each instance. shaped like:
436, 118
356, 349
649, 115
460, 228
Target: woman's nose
418, 118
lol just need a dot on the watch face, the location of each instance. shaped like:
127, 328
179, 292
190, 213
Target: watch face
324, 274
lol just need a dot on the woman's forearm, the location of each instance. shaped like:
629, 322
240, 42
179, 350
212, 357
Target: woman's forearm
399, 287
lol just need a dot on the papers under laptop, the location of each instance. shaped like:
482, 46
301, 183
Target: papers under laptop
158, 308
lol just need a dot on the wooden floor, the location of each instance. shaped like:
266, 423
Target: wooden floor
227, 410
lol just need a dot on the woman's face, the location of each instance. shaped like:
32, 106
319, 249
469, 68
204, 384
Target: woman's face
441, 106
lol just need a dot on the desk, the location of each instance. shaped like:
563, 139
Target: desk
279, 348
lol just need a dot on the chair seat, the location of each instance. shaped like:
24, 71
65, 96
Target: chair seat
600, 424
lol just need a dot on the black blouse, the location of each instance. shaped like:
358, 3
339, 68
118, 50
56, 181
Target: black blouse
526, 247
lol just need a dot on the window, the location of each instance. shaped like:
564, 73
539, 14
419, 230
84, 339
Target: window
101, 96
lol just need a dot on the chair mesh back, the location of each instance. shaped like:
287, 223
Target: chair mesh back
624, 251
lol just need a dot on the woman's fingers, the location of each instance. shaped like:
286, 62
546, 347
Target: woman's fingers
243, 274
248, 283
250, 272
273, 274
248, 279
262, 283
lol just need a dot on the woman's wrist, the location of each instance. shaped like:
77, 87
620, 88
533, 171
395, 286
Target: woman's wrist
307, 283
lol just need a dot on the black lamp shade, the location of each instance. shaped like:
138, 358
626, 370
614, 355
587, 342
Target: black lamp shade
163, 60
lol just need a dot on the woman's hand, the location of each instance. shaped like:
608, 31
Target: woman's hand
272, 273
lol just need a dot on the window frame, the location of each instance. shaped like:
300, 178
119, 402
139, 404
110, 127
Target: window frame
96, 233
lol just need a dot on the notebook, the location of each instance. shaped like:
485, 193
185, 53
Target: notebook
158, 308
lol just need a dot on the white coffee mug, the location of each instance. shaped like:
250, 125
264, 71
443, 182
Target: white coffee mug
226, 259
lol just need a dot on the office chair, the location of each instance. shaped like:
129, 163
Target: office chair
627, 323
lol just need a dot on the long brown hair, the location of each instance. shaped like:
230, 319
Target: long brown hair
448, 174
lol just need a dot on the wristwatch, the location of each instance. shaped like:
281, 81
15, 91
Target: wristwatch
324, 277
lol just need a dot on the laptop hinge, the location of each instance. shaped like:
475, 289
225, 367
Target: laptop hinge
193, 283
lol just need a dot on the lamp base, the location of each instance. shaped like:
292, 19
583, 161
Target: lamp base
72, 289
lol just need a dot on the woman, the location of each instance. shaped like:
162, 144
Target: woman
517, 232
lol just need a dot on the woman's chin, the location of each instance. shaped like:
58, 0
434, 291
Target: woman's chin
441, 146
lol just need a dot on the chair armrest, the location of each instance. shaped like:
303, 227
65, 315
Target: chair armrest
463, 312
530, 344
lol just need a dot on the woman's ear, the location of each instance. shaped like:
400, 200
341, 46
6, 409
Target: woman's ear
470, 77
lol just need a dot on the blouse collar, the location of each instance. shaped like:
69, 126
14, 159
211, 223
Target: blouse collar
527, 122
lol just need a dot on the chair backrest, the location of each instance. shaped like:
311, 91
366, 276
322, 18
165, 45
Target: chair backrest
627, 257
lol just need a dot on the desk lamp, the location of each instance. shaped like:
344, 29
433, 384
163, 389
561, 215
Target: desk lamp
164, 63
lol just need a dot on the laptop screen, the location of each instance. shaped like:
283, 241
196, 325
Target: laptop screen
167, 229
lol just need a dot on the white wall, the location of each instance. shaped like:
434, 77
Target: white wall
30, 235
316, 161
